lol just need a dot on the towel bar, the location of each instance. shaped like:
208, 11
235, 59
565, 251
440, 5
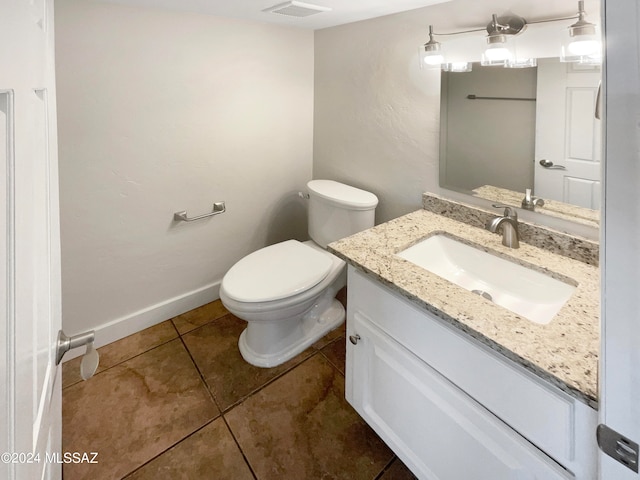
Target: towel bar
218, 208
475, 97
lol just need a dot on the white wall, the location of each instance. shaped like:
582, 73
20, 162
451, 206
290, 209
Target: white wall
161, 112
376, 118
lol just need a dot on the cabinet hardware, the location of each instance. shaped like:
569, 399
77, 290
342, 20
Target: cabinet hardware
354, 338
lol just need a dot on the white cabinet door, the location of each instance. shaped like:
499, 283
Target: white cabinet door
435, 428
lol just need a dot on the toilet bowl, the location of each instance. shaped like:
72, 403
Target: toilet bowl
280, 328
286, 292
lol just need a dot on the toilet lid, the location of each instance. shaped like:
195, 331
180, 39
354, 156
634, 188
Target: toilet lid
276, 272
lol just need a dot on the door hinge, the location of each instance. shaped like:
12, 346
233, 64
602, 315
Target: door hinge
618, 447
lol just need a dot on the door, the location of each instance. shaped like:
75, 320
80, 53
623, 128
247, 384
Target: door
30, 416
568, 136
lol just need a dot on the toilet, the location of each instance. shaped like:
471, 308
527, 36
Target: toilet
286, 292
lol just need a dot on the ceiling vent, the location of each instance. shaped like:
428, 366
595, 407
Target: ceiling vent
296, 9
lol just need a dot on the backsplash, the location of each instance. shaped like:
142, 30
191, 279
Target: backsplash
570, 246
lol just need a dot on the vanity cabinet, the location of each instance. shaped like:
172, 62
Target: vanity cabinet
452, 408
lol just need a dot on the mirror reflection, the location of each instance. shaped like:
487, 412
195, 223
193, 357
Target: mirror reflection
505, 130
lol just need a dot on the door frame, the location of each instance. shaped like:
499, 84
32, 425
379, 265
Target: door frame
620, 231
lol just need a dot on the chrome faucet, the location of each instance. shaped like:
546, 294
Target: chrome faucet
509, 223
530, 202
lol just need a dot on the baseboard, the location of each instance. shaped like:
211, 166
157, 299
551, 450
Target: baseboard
147, 317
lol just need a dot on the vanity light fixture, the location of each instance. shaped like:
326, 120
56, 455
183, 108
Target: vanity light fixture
583, 44
432, 52
499, 30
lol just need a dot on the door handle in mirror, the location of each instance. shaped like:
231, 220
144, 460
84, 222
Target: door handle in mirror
551, 166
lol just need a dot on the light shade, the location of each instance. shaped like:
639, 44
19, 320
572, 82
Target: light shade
522, 63
432, 58
582, 44
583, 49
457, 67
498, 52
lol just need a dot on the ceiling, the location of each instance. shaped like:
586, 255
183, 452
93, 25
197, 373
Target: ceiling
342, 11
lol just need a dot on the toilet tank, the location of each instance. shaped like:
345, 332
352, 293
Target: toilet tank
337, 210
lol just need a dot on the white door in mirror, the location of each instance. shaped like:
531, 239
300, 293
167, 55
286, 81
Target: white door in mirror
567, 167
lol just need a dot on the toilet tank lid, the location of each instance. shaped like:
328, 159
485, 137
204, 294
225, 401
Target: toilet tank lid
342, 194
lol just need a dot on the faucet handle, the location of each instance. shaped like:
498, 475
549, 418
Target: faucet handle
509, 211
529, 202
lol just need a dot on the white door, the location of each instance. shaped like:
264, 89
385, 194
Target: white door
30, 403
620, 249
568, 136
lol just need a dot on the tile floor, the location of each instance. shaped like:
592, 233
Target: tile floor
177, 401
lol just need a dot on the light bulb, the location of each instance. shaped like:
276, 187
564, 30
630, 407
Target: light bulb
583, 47
497, 53
435, 59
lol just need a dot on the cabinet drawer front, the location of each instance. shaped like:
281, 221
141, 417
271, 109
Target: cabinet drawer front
543, 414
434, 427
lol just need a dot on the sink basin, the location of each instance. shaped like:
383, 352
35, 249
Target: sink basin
529, 293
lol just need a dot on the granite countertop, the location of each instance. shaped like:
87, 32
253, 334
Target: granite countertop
573, 213
563, 352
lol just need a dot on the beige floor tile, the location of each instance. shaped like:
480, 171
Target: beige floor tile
199, 316
210, 453
121, 350
134, 411
214, 348
301, 427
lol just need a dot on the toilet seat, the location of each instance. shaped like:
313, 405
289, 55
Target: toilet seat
275, 272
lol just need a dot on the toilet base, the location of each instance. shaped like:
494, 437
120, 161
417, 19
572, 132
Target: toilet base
311, 330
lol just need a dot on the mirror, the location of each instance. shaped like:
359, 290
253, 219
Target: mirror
504, 130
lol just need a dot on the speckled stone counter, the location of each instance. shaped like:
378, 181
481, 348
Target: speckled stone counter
571, 246
563, 352
573, 213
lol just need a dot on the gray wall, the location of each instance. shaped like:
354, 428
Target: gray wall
376, 115
488, 142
